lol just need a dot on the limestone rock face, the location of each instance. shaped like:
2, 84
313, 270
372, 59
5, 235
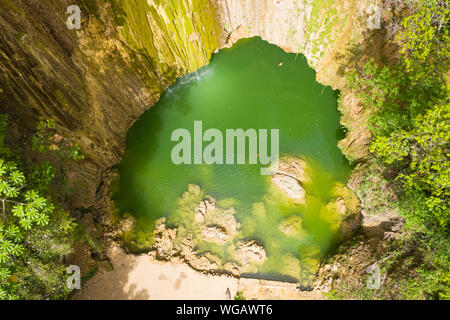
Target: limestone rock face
97, 81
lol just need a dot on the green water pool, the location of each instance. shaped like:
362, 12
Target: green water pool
252, 85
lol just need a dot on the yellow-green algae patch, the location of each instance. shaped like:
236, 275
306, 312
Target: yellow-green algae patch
176, 34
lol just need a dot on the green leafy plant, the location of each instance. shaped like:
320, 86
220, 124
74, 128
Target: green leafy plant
409, 106
408, 102
47, 138
425, 151
21, 210
239, 296
34, 234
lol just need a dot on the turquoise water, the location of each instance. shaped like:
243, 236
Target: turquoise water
251, 85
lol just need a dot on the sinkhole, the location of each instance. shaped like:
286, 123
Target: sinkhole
270, 226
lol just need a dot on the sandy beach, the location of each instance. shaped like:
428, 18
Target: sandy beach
142, 277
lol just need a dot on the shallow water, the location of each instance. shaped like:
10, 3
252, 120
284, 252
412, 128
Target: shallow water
252, 85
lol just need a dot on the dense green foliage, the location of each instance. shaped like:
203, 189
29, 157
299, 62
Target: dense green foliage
409, 103
48, 139
34, 234
424, 152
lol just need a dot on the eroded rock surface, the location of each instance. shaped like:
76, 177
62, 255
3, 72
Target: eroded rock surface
213, 233
204, 220
290, 186
164, 239
250, 252
382, 227
214, 224
347, 207
217, 224
290, 176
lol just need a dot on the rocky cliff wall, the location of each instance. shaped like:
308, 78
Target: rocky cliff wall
98, 80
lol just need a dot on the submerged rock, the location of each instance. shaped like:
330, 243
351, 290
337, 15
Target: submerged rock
204, 220
201, 220
291, 226
290, 186
290, 176
294, 167
346, 211
291, 266
202, 209
217, 224
250, 252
